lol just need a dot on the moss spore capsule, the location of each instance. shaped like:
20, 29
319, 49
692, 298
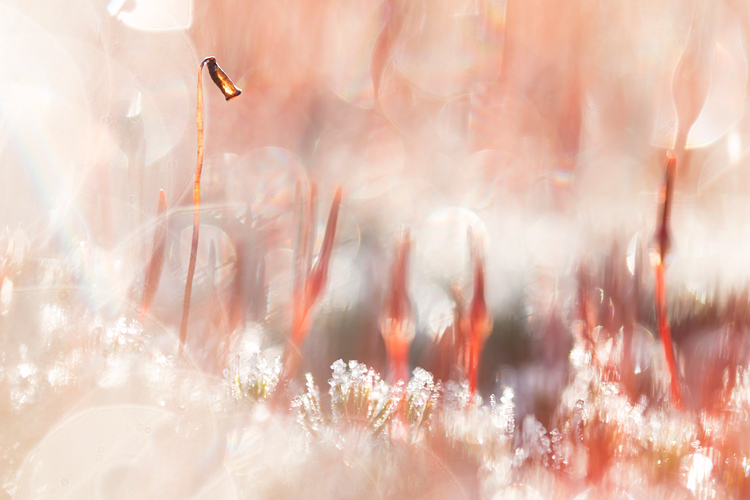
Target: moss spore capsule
227, 87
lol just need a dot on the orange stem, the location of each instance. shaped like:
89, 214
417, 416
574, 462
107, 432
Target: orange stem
196, 209
663, 240
473, 364
230, 91
666, 336
479, 318
397, 349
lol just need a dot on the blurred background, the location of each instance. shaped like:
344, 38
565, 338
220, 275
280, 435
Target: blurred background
539, 125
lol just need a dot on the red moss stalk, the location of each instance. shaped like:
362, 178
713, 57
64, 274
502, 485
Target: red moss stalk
156, 261
477, 321
663, 242
309, 282
397, 326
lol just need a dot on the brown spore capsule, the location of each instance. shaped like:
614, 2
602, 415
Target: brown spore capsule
227, 87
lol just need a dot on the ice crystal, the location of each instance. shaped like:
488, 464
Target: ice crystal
307, 407
503, 413
358, 394
535, 441
458, 395
256, 376
421, 397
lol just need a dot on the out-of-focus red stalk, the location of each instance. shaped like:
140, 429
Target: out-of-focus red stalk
397, 326
309, 282
666, 336
663, 246
478, 321
397, 348
319, 273
302, 257
156, 261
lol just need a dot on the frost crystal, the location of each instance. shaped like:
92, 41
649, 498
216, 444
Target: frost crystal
536, 442
257, 376
503, 414
421, 397
307, 407
359, 395
458, 396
